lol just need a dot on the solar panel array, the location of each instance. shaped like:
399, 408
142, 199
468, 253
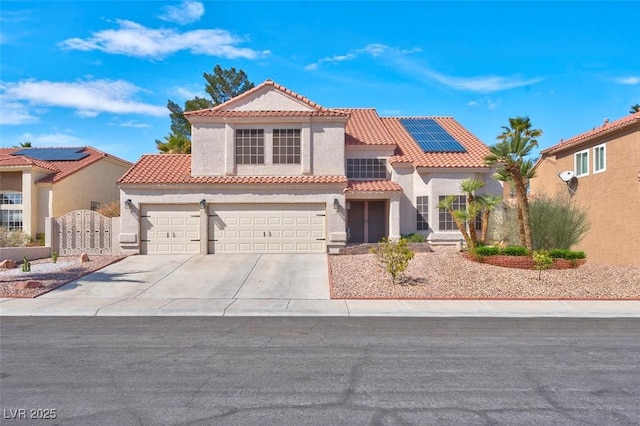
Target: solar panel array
54, 154
430, 136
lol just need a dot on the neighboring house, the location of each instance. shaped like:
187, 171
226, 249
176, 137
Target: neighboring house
605, 164
272, 171
36, 183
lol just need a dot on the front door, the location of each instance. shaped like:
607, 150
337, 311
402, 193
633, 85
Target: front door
367, 221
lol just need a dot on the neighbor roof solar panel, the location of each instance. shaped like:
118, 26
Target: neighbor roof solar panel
430, 136
54, 154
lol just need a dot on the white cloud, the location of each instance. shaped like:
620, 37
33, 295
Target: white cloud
53, 139
400, 59
186, 93
489, 103
88, 98
14, 113
188, 12
631, 80
130, 123
132, 39
473, 103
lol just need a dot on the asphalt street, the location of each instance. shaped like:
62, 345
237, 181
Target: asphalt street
319, 371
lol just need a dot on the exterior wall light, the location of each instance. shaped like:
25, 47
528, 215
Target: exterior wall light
127, 203
336, 204
203, 203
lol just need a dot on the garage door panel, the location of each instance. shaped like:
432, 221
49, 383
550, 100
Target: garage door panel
170, 229
267, 228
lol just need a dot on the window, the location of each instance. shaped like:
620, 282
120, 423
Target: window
286, 146
582, 163
11, 198
366, 168
422, 207
95, 205
446, 222
11, 219
249, 146
599, 158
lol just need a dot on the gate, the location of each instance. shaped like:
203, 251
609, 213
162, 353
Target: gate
83, 231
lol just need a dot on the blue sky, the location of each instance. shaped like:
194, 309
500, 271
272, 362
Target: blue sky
100, 73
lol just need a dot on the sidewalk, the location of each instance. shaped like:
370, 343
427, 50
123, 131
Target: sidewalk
305, 307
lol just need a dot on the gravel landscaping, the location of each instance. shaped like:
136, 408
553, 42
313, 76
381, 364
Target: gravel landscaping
51, 275
445, 274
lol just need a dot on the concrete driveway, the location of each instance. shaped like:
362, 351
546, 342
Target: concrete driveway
238, 276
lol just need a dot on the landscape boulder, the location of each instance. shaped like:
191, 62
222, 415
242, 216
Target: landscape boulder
28, 284
7, 264
84, 257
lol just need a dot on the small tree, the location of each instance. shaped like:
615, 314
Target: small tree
394, 257
459, 218
634, 108
542, 261
488, 203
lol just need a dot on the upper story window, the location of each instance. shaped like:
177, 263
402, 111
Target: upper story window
422, 207
366, 168
582, 163
599, 158
286, 146
249, 146
11, 198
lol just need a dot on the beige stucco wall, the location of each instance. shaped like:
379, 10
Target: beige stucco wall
611, 198
96, 182
192, 194
11, 181
268, 99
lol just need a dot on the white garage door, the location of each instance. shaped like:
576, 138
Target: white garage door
267, 228
170, 229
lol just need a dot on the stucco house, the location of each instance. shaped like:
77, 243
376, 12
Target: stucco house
601, 168
272, 171
36, 183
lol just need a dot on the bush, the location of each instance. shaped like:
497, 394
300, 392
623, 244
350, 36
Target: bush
556, 223
110, 210
542, 261
515, 251
487, 251
414, 238
13, 238
567, 254
394, 257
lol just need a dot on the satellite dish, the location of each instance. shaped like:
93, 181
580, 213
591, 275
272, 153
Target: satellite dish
572, 185
566, 176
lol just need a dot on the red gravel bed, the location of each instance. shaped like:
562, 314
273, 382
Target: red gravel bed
51, 275
448, 275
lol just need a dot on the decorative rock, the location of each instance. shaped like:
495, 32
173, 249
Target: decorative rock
7, 264
84, 257
28, 284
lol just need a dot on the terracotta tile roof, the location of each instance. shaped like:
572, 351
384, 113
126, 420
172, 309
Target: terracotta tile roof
365, 128
250, 114
222, 111
629, 120
176, 169
59, 169
409, 151
372, 186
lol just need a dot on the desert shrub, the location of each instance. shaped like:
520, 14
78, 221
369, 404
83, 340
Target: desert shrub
542, 261
110, 210
556, 223
567, 254
414, 238
515, 251
13, 238
487, 251
394, 257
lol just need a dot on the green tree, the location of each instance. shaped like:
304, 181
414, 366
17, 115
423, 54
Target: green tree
515, 143
23, 145
458, 217
469, 187
634, 108
174, 144
221, 85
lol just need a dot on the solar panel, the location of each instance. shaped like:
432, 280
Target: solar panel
430, 136
53, 154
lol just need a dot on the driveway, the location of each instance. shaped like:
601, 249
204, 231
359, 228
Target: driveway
239, 276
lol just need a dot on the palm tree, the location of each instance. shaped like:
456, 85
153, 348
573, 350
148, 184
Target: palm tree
634, 108
468, 187
174, 144
457, 215
488, 202
528, 172
515, 143
23, 145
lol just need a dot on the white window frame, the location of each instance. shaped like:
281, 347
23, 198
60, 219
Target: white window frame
595, 158
575, 162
